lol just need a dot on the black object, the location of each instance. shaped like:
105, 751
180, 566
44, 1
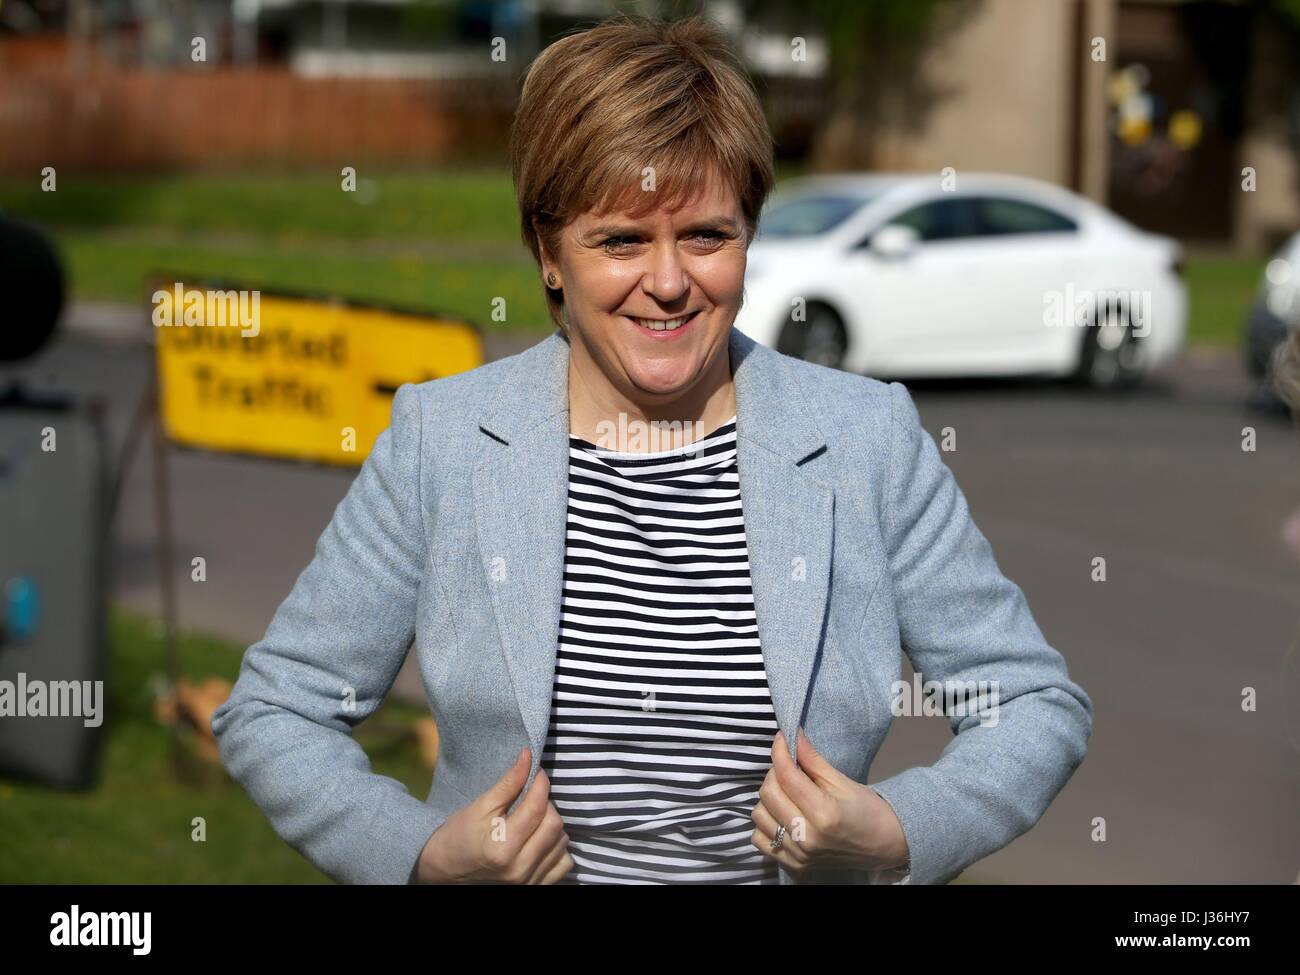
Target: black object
33, 286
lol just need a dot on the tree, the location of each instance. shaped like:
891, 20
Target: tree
874, 85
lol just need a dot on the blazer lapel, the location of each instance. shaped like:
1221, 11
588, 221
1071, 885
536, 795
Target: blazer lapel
789, 520
520, 500
520, 484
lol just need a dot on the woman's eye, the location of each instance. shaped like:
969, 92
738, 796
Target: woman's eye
622, 243
710, 236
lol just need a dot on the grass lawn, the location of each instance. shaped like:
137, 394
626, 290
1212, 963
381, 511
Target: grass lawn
135, 827
440, 241
470, 206
106, 266
444, 241
1221, 288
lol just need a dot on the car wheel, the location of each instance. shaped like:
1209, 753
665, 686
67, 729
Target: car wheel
822, 338
1113, 357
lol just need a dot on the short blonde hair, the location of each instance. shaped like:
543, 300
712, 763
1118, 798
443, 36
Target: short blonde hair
600, 106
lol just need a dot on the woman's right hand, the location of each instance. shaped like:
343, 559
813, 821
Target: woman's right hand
480, 844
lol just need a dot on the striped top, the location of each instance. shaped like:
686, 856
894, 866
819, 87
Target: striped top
661, 723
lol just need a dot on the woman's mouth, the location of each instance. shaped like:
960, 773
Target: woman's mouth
663, 328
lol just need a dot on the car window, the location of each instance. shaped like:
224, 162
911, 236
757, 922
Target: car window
948, 219
999, 215
807, 216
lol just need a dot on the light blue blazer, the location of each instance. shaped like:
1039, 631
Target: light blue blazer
452, 535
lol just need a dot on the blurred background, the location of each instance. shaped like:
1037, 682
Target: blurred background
212, 139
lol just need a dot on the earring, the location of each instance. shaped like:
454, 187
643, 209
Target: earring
550, 279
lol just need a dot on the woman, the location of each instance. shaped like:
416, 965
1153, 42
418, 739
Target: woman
658, 576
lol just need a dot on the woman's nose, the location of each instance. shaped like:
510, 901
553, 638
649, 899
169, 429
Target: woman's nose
666, 278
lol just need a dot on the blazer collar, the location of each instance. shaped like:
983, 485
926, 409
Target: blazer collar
770, 406
520, 487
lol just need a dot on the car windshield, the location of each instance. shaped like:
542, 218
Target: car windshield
809, 215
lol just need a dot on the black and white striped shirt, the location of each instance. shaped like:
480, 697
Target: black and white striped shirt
661, 722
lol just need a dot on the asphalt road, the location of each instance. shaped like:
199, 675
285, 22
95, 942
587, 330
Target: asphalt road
1202, 598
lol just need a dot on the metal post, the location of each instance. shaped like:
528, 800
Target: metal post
163, 523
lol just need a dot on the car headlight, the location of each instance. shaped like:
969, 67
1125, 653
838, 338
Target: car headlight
1281, 283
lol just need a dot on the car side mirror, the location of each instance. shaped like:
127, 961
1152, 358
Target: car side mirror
894, 242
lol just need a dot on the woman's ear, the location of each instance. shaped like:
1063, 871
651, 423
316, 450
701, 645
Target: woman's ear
550, 270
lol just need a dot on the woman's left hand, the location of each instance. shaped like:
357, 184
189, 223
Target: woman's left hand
830, 819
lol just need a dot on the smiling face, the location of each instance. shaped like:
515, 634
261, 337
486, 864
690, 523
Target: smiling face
650, 301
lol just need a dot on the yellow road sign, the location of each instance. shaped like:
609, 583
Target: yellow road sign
279, 376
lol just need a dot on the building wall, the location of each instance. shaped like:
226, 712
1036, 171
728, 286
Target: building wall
1008, 79
1011, 105
104, 117
1099, 20
1272, 212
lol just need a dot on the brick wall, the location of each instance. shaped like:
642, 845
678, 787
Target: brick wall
77, 113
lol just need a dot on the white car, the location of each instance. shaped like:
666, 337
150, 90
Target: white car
895, 276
